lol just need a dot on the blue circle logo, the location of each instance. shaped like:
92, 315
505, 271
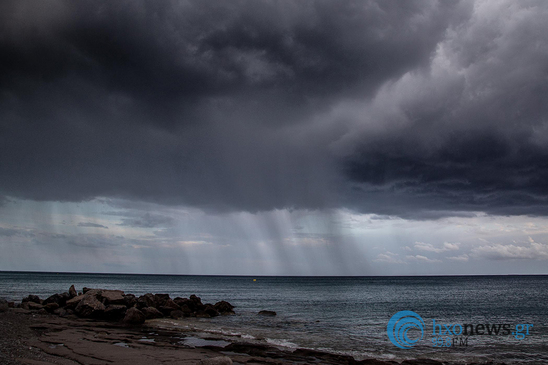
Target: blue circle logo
399, 325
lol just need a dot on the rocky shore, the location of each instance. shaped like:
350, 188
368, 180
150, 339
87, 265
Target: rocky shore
99, 326
115, 305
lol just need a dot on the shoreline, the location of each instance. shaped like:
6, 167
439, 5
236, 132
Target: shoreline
29, 337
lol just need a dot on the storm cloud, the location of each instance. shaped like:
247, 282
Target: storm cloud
419, 109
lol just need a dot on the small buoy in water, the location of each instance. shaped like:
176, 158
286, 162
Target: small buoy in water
254, 279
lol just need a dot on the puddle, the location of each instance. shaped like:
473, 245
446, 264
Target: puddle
121, 344
200, 342
144, 339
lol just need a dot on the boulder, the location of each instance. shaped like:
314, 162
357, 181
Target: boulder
94, 292
225, 308
90, 307
195, 304
50, 307
115, 312
72, 303
11, 304
3, 305
151, 313
33, 299
130, 300
218, 360
61, 312
85, 290
183, 301
210, 309
113, 297
64, 297
146, 300
196, 299
168, 307
59, 299
33, 306
134, 316
176, 314
72, 292
161, 299
267, 313
186, 310
166, 311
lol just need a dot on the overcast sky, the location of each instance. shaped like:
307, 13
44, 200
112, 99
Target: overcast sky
274, 137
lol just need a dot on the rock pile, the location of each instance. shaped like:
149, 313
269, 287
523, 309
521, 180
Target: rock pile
115, 305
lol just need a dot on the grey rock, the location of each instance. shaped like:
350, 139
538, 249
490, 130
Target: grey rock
130, 300
115, 312
210, 309
134, 316
33, 306
267, 313
90, 306
72, 292
225, 308
61, 312
176, 314
3, 305
151, 313
161, 300
51, 307
33, 298
60, 299
146, 300
72, 303
113, 297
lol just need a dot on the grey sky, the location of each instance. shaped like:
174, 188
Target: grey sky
225, 125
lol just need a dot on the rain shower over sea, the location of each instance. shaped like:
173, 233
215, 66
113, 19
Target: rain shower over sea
347, 315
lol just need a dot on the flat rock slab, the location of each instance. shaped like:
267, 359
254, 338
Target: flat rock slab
90, 343
113, 296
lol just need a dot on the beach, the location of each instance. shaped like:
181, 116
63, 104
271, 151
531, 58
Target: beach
32, 338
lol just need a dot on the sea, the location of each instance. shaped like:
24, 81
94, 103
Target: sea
346, 315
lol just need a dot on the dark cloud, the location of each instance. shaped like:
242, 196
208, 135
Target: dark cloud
91, 225
470, 132
417, 109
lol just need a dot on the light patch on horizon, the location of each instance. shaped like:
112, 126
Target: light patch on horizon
285, 242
